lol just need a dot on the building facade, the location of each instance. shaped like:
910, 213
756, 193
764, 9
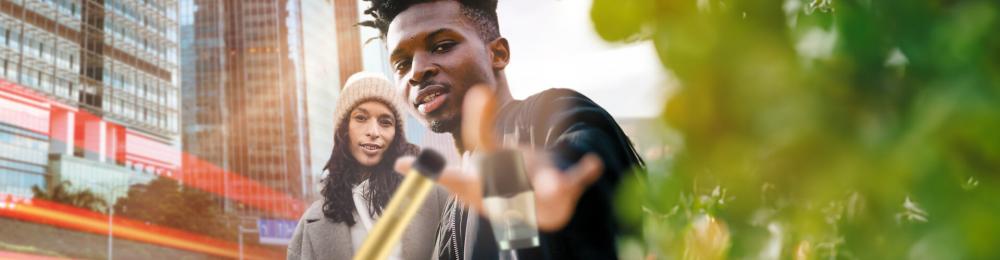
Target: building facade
87, 84
255, 78
320, 43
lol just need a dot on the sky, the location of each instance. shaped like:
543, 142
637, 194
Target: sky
553, 44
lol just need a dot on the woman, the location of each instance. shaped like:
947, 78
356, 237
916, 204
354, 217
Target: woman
360, 180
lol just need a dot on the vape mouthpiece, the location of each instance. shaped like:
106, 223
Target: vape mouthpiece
429, 163
404, 204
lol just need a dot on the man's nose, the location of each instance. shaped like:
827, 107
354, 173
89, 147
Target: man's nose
423, 70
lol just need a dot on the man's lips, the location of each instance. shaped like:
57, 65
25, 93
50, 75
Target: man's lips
430, 98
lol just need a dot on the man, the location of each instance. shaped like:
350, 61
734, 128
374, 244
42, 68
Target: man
449, 58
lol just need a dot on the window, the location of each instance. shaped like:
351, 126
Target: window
13, 39
4, 31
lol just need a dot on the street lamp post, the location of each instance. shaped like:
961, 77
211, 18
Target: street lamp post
244, 230
111, 227
111, 218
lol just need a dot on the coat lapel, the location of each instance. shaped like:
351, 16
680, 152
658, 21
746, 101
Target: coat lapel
413, 243
329, 239
419, 237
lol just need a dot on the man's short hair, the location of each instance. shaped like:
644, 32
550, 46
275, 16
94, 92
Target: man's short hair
482, 13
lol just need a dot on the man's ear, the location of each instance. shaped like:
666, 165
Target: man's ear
499, 53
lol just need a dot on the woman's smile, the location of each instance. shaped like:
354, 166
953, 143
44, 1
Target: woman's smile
371, 149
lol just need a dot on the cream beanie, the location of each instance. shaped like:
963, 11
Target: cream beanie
366, 86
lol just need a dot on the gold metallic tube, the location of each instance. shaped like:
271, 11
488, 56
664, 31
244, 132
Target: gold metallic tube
410, 195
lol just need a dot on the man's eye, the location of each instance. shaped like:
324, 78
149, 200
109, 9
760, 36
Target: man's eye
402, 65
443, 47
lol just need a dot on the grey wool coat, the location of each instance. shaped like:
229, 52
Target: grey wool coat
316, 237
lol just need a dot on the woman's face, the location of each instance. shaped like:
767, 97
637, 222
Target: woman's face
370, 130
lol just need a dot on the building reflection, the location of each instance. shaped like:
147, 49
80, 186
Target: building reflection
120, 117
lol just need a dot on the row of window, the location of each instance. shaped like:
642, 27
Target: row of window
128, 9
144, 168
153, 117
159, 5
101, 180
19, 183
70, 8
116, 27
20, 166
38, 79
139, 84
22, 132
22, 148
121, 33
153, 103
161, 114
140, 96
64, 57
39, 44
65, 12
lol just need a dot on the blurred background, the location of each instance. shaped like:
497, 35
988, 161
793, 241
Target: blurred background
772, 129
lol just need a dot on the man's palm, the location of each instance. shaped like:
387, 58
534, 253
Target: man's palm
556, 191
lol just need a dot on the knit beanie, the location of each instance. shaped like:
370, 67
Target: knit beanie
367, 86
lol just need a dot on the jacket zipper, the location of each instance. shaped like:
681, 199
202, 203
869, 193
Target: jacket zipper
454, 231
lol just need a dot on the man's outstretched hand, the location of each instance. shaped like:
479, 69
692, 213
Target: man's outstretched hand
556, 191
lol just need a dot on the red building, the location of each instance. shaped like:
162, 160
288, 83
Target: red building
45, 141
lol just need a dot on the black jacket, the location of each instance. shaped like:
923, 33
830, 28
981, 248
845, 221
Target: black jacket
568, 125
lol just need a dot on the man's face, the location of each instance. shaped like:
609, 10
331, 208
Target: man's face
437, 56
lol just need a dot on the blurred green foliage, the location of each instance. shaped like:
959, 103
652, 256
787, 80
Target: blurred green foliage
64, 192
165, 202
819, 129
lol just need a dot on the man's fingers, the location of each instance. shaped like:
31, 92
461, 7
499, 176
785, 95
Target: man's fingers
404, 164
466, 186
478, 111
454, 180
451, 178
578, 177
586, 171
556, 193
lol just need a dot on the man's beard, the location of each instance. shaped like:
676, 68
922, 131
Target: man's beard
445, 125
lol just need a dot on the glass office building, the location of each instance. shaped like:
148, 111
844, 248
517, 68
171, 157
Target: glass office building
89, 79
258, 81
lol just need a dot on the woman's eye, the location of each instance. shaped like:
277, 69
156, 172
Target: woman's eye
360, 118
385, 122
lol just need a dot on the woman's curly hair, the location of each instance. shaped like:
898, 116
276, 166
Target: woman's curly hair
344, 171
